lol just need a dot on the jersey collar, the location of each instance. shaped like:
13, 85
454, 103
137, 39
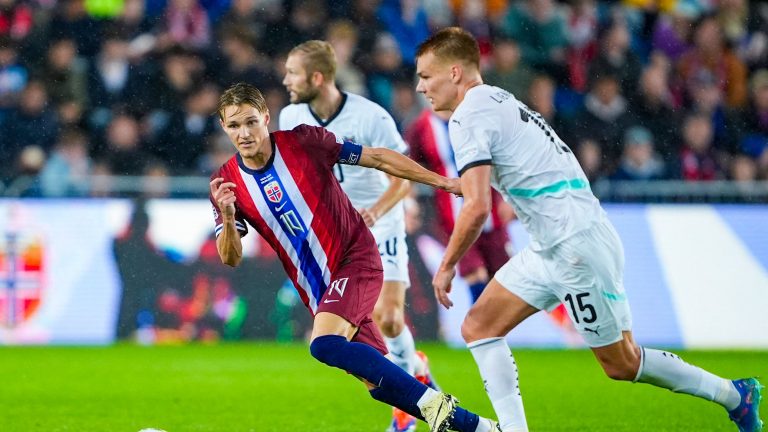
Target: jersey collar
266, 166
332, 117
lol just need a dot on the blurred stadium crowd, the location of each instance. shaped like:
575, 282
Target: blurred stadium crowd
640, 89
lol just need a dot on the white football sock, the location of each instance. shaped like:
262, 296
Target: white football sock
403, 350
667, 370
499, 372
426, 397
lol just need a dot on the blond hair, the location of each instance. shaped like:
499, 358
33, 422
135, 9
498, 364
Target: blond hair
319, 56
452, 44
241, 94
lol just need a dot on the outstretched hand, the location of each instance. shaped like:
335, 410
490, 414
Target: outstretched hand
442, 285
453, 185
224, 196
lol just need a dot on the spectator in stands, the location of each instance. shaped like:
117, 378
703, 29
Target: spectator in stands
406, 21
540, 30
710, 53
615, 57
387, 68
652, 108
672, 32
179, 73
590, 158
125, 154
754, 138
32, 123
707, 98
639, 160
112, 82
343, 36
244, 63
65, 75
507, 71
582, 42
743, 169
697, 157
604, 117
71, 20
66, 172
13, 75
541, 98
185, 23
182, 142
16, 19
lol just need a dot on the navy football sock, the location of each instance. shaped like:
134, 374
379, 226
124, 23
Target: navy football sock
476, 289
462, 420
396, 400
365, 362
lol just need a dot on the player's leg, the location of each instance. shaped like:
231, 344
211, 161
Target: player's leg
625, 360
333, 344
389, 316
344, 336
599, 308
495, 314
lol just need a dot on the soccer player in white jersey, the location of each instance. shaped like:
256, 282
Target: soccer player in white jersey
575, 256
317, 101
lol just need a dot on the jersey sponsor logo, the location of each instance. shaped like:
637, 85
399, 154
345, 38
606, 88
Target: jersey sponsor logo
273, 191
215, 213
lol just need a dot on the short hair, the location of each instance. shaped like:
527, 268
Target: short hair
452, 43
319, 56
239, 94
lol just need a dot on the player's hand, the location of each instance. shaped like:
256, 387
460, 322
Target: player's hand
453, 185
369, 217
442, 285
224, 196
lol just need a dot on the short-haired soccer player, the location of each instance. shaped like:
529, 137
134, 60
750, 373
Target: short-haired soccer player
282, 184
310, 78
575, 256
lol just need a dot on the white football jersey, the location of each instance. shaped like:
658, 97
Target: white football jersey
531, 166
367, 124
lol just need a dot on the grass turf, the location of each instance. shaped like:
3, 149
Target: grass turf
268, 387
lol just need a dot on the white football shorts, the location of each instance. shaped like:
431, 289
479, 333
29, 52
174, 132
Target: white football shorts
394, 254
585, 273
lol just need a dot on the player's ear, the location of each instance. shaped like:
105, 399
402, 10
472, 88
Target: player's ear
456, 73
266, 118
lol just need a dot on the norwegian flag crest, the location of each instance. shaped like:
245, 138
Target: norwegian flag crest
273, 191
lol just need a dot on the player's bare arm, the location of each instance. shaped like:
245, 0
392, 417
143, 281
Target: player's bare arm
397, 190
476, 188
394, 163
228, 242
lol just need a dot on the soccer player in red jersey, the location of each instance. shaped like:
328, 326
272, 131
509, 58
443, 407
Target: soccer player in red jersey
283, 185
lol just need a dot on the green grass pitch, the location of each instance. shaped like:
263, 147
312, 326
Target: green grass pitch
269, 387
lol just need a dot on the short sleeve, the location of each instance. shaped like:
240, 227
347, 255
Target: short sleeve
328, 146
218, 219
471, 138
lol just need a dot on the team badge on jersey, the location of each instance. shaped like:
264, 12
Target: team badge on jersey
273, 191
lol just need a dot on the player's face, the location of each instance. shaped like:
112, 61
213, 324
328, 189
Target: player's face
246, 127
436, 82
298, 81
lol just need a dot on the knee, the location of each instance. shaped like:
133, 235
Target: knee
389, 320
473, 328
624, 370
326, 348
